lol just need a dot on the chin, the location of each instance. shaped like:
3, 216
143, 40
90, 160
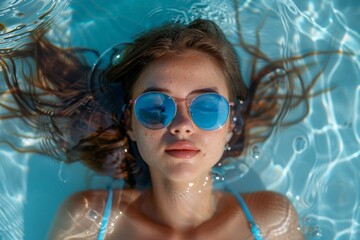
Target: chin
185, 173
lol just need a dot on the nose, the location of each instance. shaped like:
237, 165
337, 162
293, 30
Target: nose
182, 123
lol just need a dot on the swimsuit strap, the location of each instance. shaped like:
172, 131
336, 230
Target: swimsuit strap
253, 226
106, 216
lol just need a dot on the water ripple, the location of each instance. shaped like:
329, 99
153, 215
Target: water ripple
220, 12
20, 18
12, 199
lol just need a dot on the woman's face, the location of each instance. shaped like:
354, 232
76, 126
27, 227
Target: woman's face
166, 150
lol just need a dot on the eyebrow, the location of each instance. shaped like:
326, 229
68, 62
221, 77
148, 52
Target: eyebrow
196, 91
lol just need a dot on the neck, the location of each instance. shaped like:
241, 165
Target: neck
180, 205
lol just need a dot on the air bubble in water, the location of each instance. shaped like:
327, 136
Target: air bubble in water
116, 59
256, 152
280, 71
316, 234
92, 214
299, 144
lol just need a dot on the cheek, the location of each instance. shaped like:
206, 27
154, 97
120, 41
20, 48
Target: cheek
215, 143
139, 132
147, 141
143, 137
143, 141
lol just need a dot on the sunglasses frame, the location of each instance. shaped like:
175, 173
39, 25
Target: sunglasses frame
188, 105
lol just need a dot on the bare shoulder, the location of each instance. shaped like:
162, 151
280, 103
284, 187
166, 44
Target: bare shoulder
80, 215
275, 215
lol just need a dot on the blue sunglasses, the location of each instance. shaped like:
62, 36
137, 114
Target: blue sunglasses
156, 110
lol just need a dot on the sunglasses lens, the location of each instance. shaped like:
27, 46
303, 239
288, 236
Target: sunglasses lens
209, 111
155, 110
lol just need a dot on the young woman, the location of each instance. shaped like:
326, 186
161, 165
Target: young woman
159, 113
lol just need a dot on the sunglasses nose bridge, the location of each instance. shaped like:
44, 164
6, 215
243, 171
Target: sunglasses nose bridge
182, 120
180, 104
185, 101
181, 100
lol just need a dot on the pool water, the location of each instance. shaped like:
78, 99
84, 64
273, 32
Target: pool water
314, 163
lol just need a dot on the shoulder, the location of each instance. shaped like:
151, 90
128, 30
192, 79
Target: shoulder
81, 214
96, 199
275, 215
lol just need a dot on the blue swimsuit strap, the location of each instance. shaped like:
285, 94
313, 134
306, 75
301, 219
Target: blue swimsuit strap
105, 218
253, 226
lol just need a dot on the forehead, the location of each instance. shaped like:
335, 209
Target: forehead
182, 74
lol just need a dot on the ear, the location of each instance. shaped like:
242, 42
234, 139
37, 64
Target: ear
127, 120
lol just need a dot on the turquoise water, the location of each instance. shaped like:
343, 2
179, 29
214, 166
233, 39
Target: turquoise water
314, 163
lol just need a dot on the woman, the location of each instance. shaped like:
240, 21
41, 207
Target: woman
174, 99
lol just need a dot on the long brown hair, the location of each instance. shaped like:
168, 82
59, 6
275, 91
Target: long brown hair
80, 117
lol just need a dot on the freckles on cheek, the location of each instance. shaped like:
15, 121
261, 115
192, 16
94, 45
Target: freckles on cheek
148, 136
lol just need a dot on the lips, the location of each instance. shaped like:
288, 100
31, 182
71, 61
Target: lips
182, 149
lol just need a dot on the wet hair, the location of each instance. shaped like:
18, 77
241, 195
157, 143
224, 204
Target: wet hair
80, 117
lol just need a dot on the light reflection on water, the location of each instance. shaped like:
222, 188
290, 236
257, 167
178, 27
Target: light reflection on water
314, 163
